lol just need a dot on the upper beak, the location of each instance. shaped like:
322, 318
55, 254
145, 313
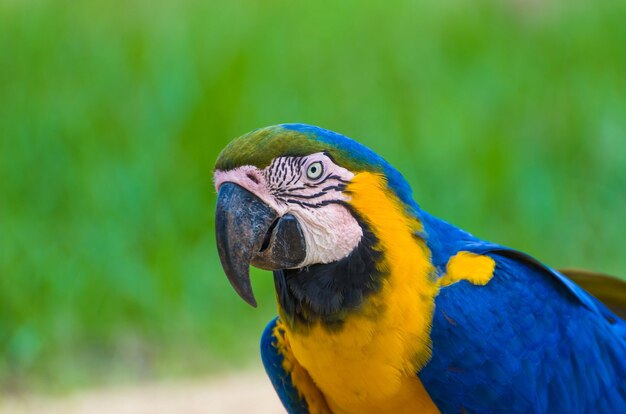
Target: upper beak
250, 232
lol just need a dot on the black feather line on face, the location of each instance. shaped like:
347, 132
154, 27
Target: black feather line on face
316, 205
340, 187
294, 189
302, 196
329, 292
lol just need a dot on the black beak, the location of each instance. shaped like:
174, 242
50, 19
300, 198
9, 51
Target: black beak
250, 232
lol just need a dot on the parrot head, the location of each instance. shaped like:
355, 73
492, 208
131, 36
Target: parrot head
285, 204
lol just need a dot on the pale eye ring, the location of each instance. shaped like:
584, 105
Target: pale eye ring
315, 170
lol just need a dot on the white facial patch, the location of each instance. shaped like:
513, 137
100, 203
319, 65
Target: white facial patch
311, 189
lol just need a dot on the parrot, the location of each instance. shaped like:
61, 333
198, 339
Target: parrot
385, 308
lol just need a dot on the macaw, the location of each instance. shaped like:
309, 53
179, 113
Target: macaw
384, 308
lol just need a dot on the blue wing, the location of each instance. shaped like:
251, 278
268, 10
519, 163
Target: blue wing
281, 379
528, 341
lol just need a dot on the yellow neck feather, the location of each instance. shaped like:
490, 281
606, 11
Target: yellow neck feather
410, 289
370, 364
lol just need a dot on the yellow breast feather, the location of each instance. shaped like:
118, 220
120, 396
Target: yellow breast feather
300, 378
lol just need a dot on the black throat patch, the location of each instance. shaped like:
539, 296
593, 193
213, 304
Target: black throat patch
329, 292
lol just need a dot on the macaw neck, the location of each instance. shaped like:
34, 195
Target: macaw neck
391, 254
363, 355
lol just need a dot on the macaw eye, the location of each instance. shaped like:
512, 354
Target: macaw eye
315, 170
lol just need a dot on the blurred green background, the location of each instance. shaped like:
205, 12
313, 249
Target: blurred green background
507, 117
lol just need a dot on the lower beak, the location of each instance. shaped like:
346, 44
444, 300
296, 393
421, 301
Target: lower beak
248, 232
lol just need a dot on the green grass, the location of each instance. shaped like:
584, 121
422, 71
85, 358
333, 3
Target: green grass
507, 117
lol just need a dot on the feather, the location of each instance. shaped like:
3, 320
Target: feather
607, 289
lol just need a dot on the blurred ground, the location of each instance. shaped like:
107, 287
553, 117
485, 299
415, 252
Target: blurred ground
249, 392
